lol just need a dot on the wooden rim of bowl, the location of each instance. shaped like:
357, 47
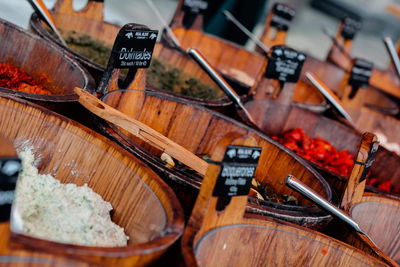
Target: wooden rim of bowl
174, 226
312, 209
87, 79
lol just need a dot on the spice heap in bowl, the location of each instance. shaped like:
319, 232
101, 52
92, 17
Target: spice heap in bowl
14, 78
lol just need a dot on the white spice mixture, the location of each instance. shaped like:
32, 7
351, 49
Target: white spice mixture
63, 213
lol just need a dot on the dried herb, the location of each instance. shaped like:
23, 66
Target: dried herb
160, 74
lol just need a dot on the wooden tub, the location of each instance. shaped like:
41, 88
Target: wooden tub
227, 237
198, 129
36, 57
240, 67
89, 21
143, 204
379, 217
274, 118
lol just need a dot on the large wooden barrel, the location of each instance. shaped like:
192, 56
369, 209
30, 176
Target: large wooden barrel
36, 56
198, 130
143, 204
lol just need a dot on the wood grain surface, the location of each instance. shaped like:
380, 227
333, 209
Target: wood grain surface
26, 51
226, 238
356, 182
379, 217
383, 80
197, 129
143, 204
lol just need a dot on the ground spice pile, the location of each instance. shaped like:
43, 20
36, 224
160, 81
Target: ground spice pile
14, 78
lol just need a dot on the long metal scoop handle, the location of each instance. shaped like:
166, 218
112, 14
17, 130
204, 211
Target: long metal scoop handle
310, 194
329, 95
249, 34
393, 54
39, 6
164, 23
206, 66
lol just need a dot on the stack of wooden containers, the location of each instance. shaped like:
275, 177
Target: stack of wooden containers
157, 155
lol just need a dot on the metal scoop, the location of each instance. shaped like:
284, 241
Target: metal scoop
310, 194
39, 7
206, 66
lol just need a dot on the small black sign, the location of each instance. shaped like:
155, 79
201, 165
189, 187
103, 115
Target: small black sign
195, 6
237, 170
282, 15
350, 27
134, 47
284, 64
360, 73
9, 170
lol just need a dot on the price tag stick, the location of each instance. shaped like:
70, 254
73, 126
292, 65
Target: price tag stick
205, 214
133, 50
362, 163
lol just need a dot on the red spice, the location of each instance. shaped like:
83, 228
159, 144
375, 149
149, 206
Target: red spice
318, 151
16, 79
324, 251
324, 154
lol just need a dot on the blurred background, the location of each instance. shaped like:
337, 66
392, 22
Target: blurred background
305, 32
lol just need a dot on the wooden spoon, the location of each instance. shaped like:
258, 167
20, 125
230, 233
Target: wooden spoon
141, 131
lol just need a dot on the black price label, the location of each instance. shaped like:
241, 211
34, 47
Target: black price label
195, 6
237, 170
9, 170
350, 27
282, 15
360, 73
134, 47
284, 64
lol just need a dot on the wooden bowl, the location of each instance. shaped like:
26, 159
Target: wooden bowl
143, 204
274, 244
379, 217
240, 77
16, 255
198, 130
222, 235
245, 66
274, 118
37, 56
107, 32
334, 77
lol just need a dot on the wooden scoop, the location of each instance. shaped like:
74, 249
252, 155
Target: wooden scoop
141, 131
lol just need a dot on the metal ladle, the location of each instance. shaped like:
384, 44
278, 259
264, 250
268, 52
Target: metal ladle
40, 7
